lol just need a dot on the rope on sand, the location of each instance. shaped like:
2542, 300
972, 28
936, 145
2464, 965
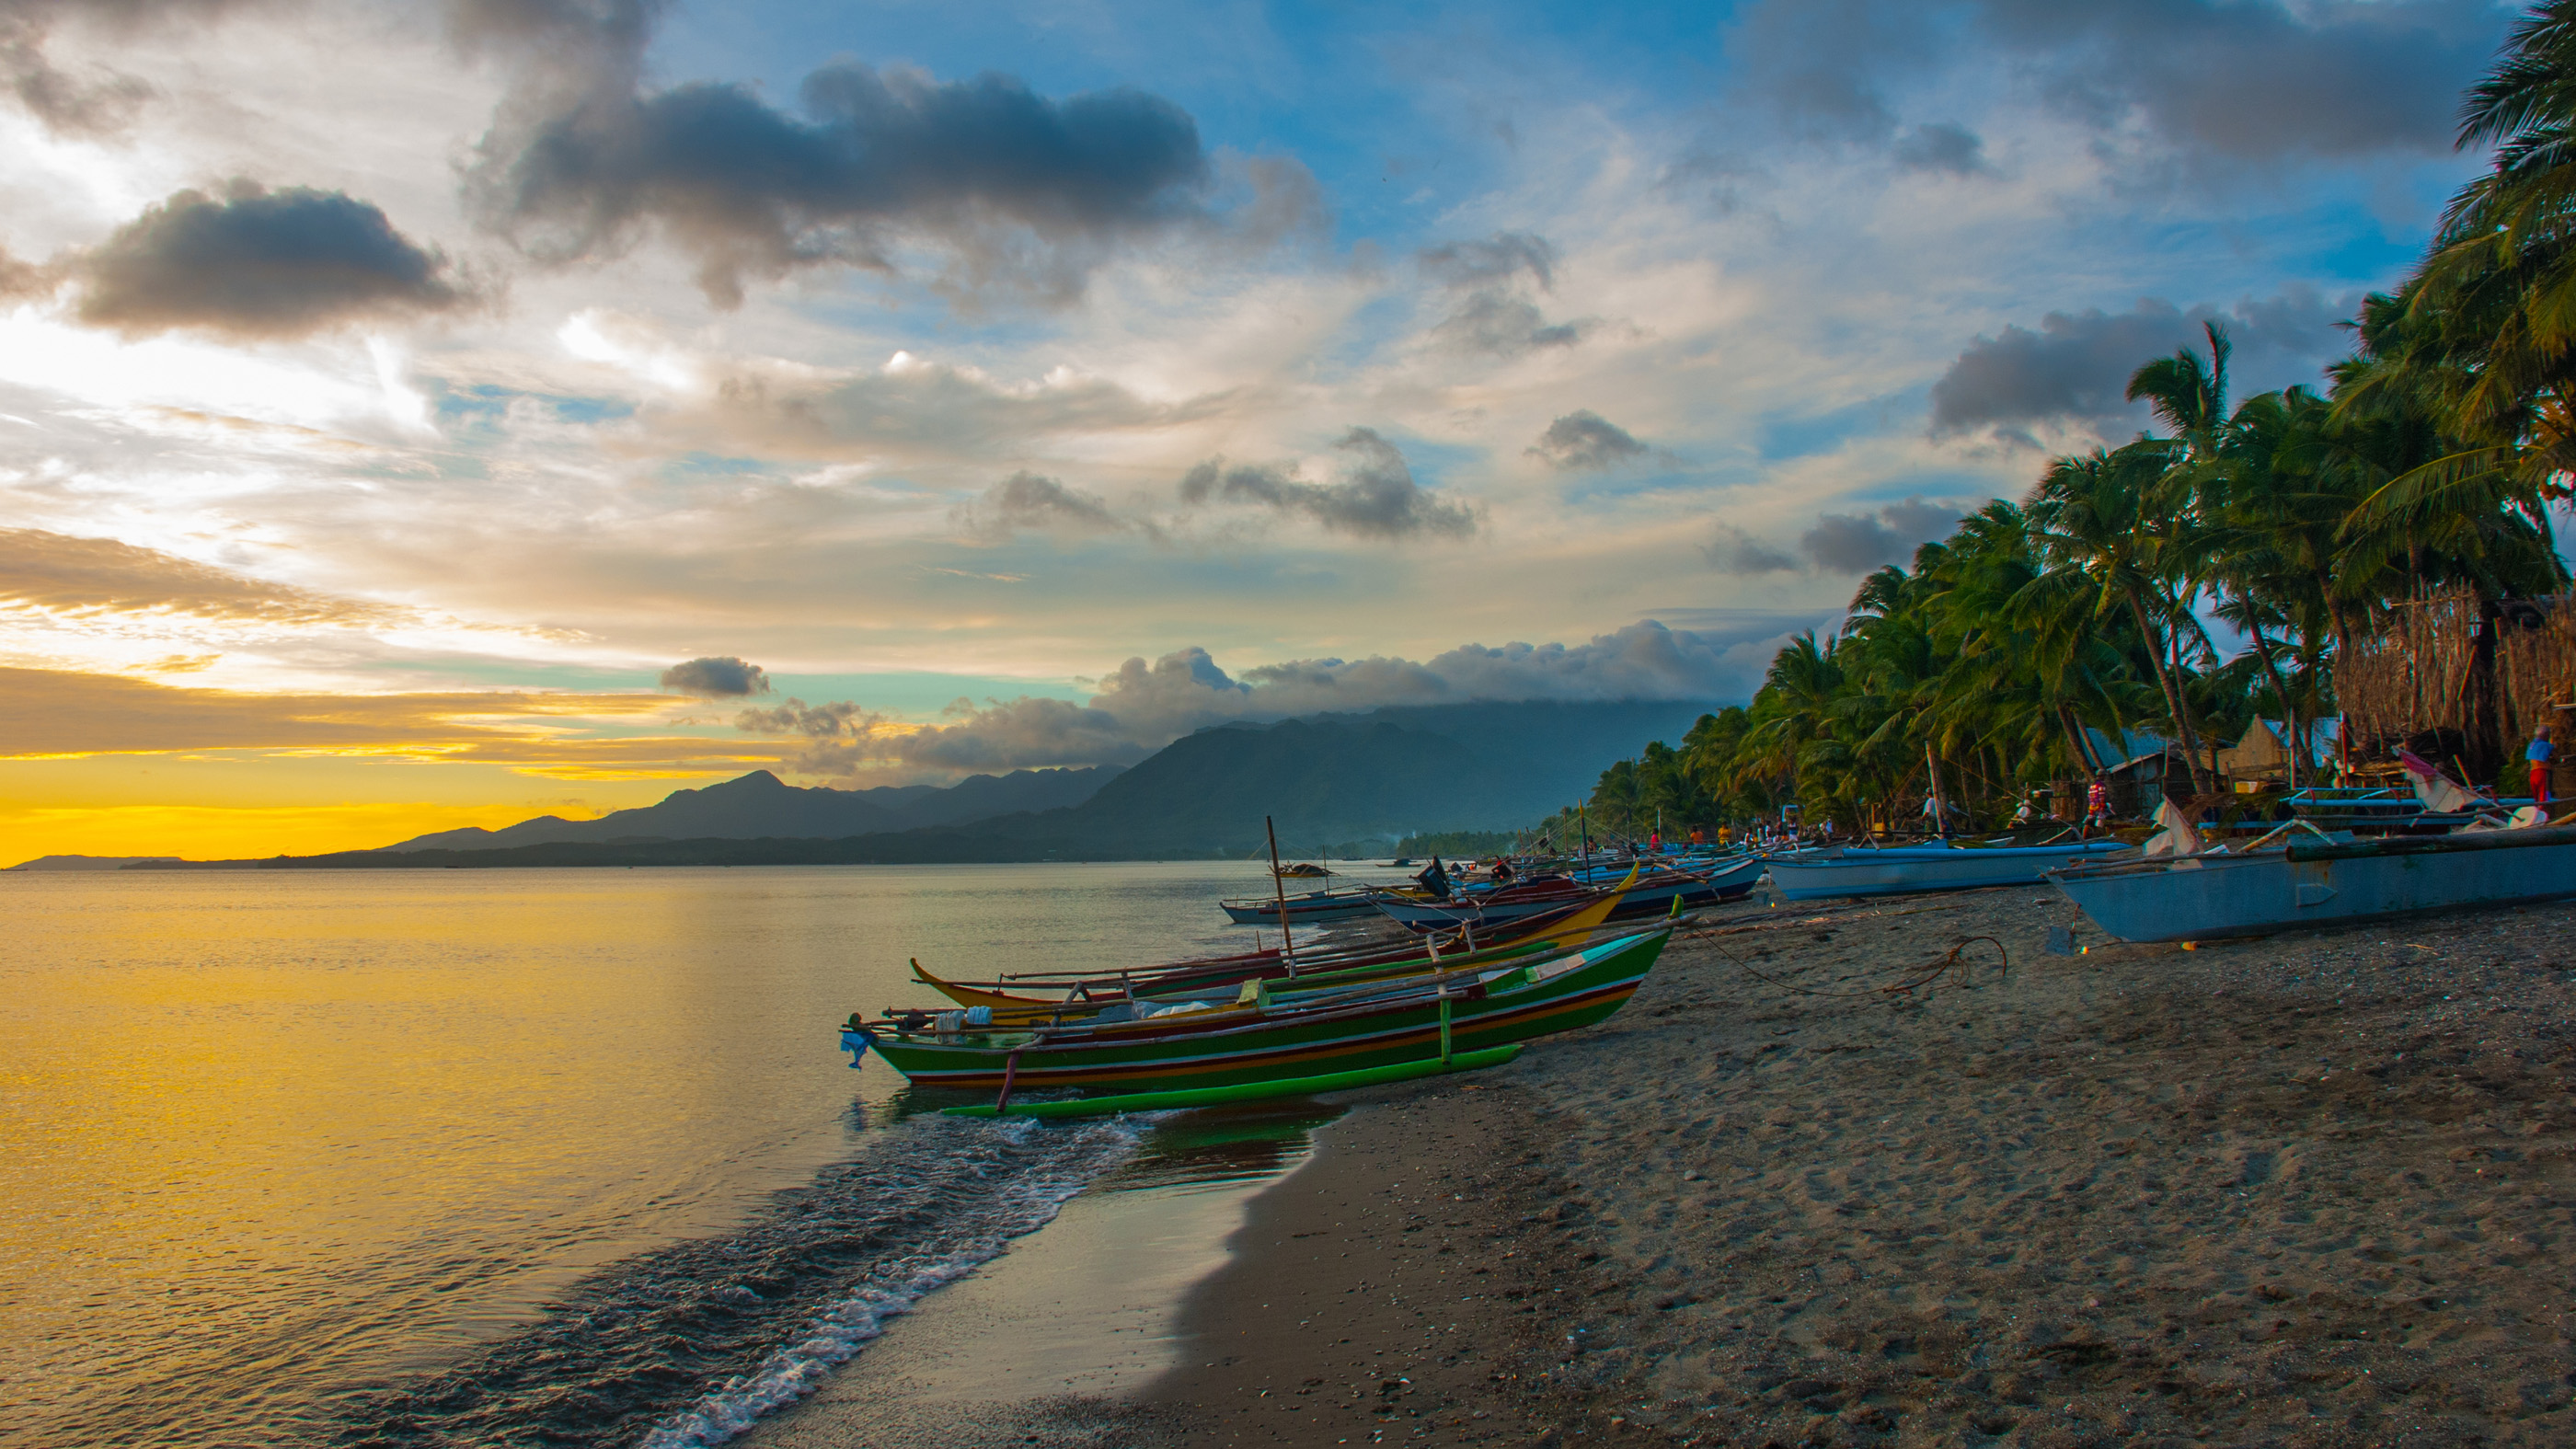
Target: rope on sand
1916, 976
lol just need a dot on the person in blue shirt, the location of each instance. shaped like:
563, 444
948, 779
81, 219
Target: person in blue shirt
2539, 755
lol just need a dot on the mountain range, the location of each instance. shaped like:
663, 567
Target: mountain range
761, 805
1322, 778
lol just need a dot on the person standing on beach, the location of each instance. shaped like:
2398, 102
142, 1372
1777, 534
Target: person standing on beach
2539, 754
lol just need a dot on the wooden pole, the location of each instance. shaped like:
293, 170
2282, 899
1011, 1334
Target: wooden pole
1940, 807
1287, 947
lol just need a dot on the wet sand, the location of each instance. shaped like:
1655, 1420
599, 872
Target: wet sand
2314, 1189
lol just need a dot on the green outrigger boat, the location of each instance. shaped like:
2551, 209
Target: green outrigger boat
1431, 1017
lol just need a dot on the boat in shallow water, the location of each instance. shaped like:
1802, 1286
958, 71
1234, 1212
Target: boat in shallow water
1255, 1039
1663, 891
2212, 896
1905, 869
1305, 907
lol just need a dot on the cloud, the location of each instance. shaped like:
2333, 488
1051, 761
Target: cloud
1584, 439
63, 713
913, 408
2075, 368
255, 263
1498, 258
1021, 193
1942, 146
2242, 80
1374, 497
1736, 552
63, 574
1855, 543
1491, 314
717, 677
1028, 503
1141, 707
2258, 78
100, 105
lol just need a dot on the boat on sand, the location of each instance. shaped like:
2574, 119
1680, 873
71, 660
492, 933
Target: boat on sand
2210, 896
1905, 869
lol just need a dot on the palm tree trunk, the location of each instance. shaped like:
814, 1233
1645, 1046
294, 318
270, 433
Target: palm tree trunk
2172, 689
2281, 691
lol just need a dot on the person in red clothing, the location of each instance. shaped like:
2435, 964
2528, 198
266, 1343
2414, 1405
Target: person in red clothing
2539, 754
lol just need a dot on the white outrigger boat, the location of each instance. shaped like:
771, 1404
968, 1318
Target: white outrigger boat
1904, 869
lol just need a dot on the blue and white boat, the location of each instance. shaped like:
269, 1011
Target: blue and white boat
2211, 896
1905, 869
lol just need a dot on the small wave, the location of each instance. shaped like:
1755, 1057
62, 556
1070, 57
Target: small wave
687, 1345
1027, 1203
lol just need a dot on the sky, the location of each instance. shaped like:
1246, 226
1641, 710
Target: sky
425, 414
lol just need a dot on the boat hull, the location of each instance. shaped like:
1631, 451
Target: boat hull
2214, 897
1302, 909
1906, 872
1653, 898
1299, 1045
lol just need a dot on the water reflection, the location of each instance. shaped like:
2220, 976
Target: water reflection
1222, 1144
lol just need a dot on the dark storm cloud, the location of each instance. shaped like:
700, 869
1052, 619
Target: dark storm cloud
1374, 495
1736, 552
717, 677
2237, 79
1024, 191
258, 263
1855, 543
2075, 368
1585, 439
1030, 503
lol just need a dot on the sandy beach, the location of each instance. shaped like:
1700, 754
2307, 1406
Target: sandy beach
2305, 1190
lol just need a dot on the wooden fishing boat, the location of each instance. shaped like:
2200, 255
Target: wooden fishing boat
1905, 869
1655, 894
2212, 896
1572, 926
1256, 1040
1303, 908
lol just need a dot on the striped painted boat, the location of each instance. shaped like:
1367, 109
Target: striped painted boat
1256, 1041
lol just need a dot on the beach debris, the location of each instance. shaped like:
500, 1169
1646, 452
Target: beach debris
2061, 941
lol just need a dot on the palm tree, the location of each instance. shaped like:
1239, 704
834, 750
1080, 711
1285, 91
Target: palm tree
2098, 525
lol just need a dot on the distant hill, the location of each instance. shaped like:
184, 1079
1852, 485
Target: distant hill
760, 805
91, 862
1330, 777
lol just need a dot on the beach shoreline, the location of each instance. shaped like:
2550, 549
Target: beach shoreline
2300, 1190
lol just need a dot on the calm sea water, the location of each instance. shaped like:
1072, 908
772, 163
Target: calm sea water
504, 1157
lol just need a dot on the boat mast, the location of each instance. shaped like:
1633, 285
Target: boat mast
1287, 948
